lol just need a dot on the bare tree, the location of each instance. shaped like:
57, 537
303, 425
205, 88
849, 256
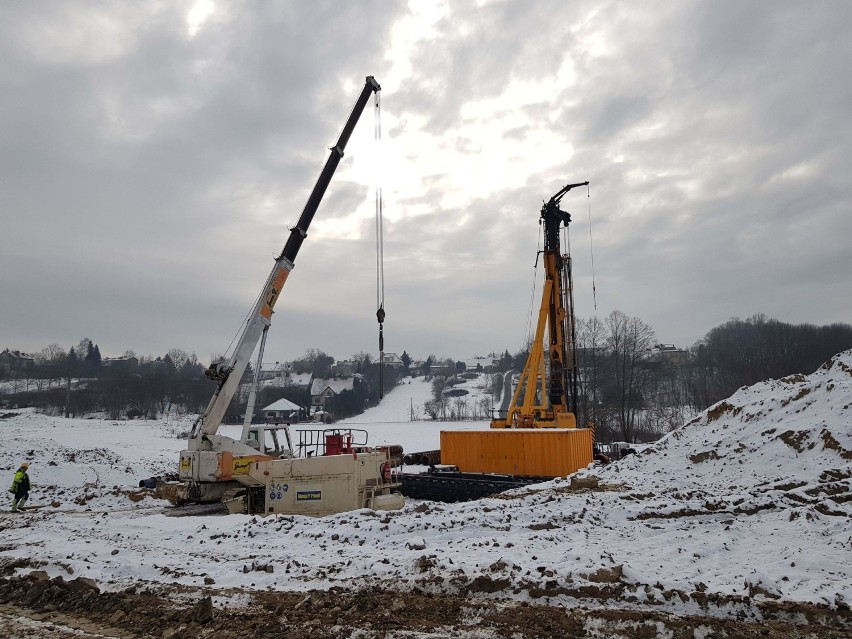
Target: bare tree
314, 361
50, 363
362, 361
591, 352
629, 341
178, 357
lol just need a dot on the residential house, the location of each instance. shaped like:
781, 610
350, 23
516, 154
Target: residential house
281, 375
479, 364
392, 360
273, 370
343, 369
666, 353
323, 390
15, 361
283, 411
120, 365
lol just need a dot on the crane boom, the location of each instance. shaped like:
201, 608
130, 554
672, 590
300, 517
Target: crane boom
229, 373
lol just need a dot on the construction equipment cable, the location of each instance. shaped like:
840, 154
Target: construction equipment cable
380, 252
591, 246
532, 290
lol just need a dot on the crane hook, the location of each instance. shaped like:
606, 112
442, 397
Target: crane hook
380, 315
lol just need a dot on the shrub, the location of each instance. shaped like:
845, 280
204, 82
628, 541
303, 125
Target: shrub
455, 392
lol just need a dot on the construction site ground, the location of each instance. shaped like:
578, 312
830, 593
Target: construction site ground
36, 606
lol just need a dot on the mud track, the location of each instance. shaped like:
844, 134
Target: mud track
35, 606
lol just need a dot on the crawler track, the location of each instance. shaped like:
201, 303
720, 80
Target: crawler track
449, 486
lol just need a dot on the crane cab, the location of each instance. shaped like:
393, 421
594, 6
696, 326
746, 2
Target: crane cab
270, 439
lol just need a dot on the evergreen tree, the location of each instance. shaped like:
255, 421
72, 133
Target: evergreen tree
73, 362
169, 368
92, 357
96, 357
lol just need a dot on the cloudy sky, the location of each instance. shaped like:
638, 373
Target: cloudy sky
154, 154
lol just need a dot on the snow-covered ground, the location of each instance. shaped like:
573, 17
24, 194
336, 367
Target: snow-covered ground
390, 421
750, 500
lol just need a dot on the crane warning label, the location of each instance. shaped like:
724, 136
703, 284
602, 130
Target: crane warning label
273, 292
308, 495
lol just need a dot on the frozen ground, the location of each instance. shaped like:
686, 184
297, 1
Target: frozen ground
739, 513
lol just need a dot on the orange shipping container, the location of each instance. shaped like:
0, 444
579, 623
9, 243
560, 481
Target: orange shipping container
522, 451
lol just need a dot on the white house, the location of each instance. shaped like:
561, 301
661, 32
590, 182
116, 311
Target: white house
392, 360
271, 370
478, 364
283, 410
323, 390
281, 375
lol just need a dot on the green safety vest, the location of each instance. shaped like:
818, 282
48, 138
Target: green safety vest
16, 482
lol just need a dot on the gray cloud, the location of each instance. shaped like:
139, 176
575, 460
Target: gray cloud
148, 178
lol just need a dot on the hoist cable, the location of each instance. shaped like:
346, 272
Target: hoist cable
532, 288
380, 251
591, 246
241, 329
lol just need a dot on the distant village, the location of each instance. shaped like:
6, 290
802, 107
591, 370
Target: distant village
286, 391
630, 385
344, 376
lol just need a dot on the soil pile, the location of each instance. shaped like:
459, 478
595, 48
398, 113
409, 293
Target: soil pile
780, 444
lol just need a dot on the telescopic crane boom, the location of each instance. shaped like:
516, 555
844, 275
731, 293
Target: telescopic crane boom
229, 373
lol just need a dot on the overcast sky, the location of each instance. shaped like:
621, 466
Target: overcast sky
154, 154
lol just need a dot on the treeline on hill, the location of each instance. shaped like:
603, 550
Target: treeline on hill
71, 384
630, 389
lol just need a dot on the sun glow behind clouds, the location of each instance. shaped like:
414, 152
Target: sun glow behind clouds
497, 143
196, 17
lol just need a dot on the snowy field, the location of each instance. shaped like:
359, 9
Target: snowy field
748, 502
388, 423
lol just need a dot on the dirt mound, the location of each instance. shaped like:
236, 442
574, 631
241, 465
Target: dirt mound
788, 439
339, 613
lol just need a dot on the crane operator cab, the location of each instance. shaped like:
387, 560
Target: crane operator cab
272, 440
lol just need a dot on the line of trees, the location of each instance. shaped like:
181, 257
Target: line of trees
453, 404
632, 392
740, 352
633, 389
65, 383
629, 390
62, 382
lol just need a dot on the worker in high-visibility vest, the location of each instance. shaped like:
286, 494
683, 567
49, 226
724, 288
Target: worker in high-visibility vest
20, 488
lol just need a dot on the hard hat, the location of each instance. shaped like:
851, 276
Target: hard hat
25, 465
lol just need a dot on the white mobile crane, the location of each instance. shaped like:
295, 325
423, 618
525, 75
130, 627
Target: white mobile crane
335, 471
